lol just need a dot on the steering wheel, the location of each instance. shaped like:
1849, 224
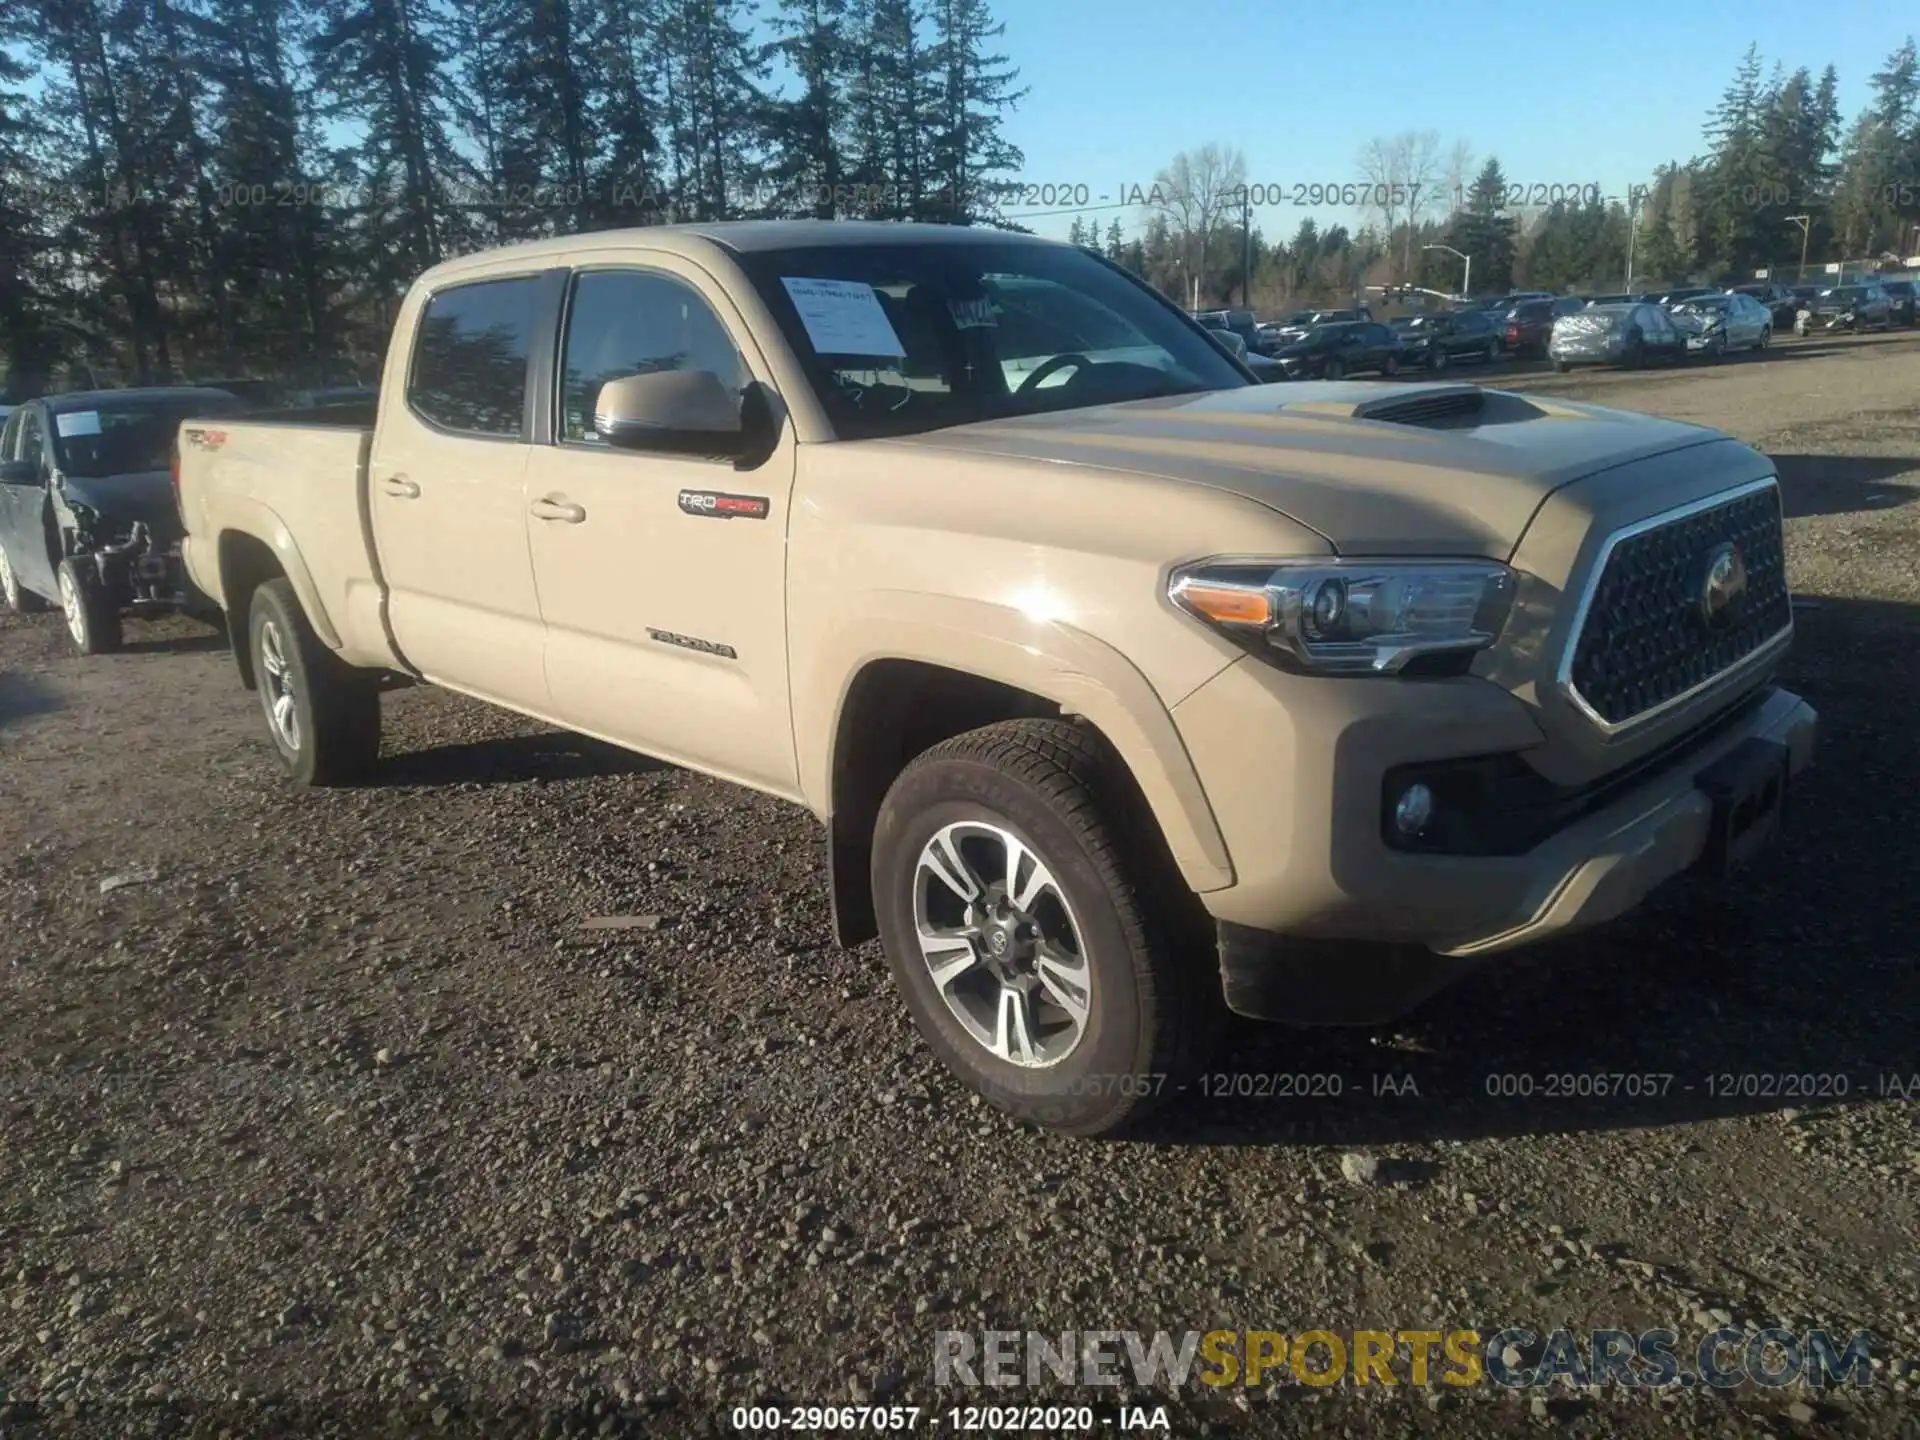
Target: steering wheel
1048, 367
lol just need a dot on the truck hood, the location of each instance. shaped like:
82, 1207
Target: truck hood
1373, 468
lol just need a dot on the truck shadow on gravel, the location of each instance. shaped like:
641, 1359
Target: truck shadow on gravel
1795, 990
509, 759
1842, 484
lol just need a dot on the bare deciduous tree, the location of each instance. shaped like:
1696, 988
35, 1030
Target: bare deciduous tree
1402, 174
1195, 191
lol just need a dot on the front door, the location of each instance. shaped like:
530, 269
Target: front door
23, 502
447, 477
662, 577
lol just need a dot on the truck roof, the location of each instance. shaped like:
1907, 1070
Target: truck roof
740, 236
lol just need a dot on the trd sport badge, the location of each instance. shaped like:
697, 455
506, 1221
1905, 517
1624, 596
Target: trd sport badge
717, 506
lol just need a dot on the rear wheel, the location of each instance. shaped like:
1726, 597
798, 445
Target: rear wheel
15, 596
93, 619
1439, 360
323, 714
1333, 370
1390, 366
1038, 945
1562, 366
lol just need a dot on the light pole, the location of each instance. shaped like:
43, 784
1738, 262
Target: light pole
1466, 280
1805, 222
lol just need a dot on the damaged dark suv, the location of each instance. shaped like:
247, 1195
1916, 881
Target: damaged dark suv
87, 511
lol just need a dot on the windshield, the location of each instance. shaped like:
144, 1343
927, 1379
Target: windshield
126, 437
899, 339
1703, 304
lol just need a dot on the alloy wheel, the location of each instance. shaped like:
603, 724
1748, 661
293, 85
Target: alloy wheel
9, 582
73, 607
277, 685
1001, 944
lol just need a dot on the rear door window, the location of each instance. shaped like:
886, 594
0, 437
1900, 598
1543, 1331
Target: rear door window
469, 369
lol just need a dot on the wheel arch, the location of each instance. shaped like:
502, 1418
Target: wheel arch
246, 559
893, 684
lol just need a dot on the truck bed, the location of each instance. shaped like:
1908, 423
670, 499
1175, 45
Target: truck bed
282, 474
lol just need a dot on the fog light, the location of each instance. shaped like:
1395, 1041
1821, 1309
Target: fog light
1413, 810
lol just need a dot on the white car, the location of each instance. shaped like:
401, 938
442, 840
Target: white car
1715, 324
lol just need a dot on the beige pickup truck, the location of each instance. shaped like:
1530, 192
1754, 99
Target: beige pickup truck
1128, 691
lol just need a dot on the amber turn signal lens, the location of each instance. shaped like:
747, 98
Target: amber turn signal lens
1227, 604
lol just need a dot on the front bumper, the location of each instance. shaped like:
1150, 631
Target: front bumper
1296, 769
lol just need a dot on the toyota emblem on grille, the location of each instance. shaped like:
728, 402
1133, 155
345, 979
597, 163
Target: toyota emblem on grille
1723, 580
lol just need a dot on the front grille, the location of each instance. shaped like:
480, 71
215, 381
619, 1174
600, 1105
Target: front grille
1646, 641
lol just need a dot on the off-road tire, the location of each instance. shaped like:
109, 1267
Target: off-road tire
336, 707
1155, 1006
93, 619
13, 595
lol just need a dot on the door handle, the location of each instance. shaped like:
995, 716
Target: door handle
547, 508
400, 487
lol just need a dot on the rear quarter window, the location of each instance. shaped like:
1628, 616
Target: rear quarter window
469, 366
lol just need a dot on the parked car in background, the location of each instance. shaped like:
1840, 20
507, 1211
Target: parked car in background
1628, 335
1620, 299
1902, 297
1232, 322
1226, 339
1441, 338
1715, 324
1530, 322
1679, 293
87, 514
1779, 300
1297, 326
1346, 348
1844, 307
261, 394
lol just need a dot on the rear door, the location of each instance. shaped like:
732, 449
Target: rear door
662, 577
447, 480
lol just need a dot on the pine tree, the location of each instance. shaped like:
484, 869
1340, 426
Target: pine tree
381, 65
714, 106
806, 133
277, 257
1483, 231
1116, 239
28, 335
628, 110
972, 89
892, 102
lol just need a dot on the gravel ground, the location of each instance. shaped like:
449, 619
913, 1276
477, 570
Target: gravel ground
339, 1117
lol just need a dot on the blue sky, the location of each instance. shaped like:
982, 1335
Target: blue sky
1116, 87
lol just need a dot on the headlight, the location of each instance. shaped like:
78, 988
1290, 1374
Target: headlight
1352, 617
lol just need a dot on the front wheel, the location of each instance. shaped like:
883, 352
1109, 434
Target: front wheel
93, 618
1562, 366
15, 596
323, 714
1033, 936
1766, 339
1390, 366
1333, 370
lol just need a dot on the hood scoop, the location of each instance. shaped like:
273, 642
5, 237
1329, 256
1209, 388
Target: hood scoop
1431, 407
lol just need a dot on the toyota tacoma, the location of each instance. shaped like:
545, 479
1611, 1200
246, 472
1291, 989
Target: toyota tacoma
1127, 691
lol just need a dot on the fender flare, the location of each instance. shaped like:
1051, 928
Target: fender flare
244, 515
1084, 675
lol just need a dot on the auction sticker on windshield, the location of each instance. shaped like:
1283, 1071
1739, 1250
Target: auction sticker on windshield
78, 422
843, 317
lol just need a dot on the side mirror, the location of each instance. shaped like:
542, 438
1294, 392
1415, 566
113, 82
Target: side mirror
19, 472
681, 412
